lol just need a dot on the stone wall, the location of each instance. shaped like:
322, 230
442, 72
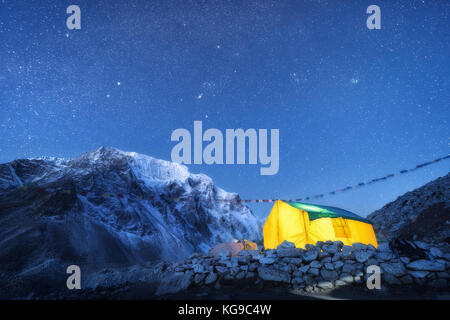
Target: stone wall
326, 265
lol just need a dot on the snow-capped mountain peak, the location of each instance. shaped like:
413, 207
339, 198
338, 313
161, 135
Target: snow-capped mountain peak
111, 206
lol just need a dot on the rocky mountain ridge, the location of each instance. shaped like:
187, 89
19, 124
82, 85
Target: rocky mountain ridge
110, 207
422, 214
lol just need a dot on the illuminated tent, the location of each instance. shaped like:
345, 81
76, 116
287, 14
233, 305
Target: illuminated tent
232, 248
303, 223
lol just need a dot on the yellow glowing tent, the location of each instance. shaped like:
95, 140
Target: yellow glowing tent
303, 223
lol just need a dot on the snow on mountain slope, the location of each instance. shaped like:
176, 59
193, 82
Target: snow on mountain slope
423, 213
69, 211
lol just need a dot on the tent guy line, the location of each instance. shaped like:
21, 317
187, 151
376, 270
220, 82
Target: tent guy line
86, 193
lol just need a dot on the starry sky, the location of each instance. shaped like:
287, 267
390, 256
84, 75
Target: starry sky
351, 103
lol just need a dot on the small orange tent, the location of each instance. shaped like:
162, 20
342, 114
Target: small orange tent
233, 248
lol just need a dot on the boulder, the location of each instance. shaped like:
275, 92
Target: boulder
359, 246
232, 263
198, 278
346, 250
329, 266
289, 252
198, 268
309, 280
221, 270
309, 289
325, 285
304, 268
313, 271
175, 282
405, 260
385, 255
320, 244
384, 246
363, 255
359, 267
394, 268
243, 253
339, 244
337, 256
282, 267
315, 264
211, 278
270, 253
426, 265
255, 255
271, 274
310, 255
331, 248
286, 244
235, 270
347, 278
244, 259
297, 273
340, 283
422, 245
436, 252
338, 264
298, 280
253, 266
267, 261
371, 262
228, 277
328, 275
348, 268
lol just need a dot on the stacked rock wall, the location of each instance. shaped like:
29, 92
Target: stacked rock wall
326, 265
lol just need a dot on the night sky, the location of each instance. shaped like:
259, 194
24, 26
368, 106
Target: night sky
351, 103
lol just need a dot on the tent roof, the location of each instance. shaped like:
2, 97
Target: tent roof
318, 211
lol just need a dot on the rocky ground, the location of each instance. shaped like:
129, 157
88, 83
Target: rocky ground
329, 270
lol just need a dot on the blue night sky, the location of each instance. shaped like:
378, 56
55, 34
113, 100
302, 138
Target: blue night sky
351, 104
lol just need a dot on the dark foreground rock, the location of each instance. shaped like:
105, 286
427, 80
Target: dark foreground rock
335, 273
